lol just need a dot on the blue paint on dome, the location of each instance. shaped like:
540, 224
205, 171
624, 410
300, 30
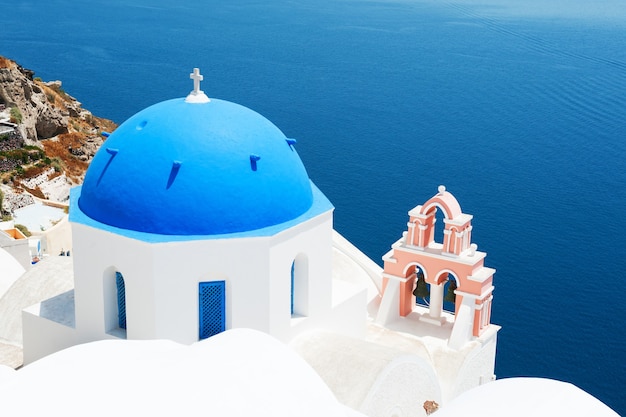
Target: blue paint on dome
179, 168
321, 205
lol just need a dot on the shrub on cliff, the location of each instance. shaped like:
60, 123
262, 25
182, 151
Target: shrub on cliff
16, 115
56, 87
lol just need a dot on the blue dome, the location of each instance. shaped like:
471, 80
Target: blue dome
179, 168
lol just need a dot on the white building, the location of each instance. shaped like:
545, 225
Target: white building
197, 216
13, 241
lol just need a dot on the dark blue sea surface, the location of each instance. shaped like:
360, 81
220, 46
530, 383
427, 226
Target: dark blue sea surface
518, 107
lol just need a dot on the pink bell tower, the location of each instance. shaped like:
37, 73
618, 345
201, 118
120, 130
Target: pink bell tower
456, 259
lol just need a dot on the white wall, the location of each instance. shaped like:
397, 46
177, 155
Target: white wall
179, 268
310, 244
162, 279
42, 337
57, 238
479, 367
162, 283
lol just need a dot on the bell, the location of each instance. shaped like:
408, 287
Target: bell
450, 295
421, 289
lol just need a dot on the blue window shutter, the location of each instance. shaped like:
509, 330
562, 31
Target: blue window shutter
212, 306
121, 300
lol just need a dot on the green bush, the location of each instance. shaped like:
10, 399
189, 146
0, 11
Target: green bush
24, 155
23, 229
16, 115
56, 165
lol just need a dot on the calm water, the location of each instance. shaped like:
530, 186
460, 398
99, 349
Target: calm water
518, 107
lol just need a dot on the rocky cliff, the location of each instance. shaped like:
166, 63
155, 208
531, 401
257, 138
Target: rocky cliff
44, 133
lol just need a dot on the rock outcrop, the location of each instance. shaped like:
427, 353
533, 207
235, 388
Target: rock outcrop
41, 119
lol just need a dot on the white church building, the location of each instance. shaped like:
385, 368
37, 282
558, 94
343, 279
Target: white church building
196, 216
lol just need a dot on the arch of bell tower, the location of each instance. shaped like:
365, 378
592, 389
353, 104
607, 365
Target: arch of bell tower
455, 258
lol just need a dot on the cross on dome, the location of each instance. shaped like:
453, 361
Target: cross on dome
196, 77
197, 95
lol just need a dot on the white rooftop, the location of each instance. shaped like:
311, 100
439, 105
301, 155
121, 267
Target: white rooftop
239, 372
536, 397
38, 217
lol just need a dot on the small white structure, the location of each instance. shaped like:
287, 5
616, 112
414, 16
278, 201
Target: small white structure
13, 241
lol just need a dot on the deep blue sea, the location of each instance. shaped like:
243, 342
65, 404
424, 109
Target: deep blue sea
518, 107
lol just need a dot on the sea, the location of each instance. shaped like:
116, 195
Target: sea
518, 107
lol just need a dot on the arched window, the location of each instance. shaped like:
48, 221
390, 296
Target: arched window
114, 300
121, 300
300, 286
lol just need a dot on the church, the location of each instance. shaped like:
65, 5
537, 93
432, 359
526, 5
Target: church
197, 216
197, 220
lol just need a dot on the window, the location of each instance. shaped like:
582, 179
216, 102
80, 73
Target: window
212, 306
121, 300
300, 286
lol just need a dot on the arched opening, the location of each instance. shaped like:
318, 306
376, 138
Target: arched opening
436, 297
114, 294
421, 289
436, 213
121, 300
300, 286
449, 298
439, 225
421, 292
